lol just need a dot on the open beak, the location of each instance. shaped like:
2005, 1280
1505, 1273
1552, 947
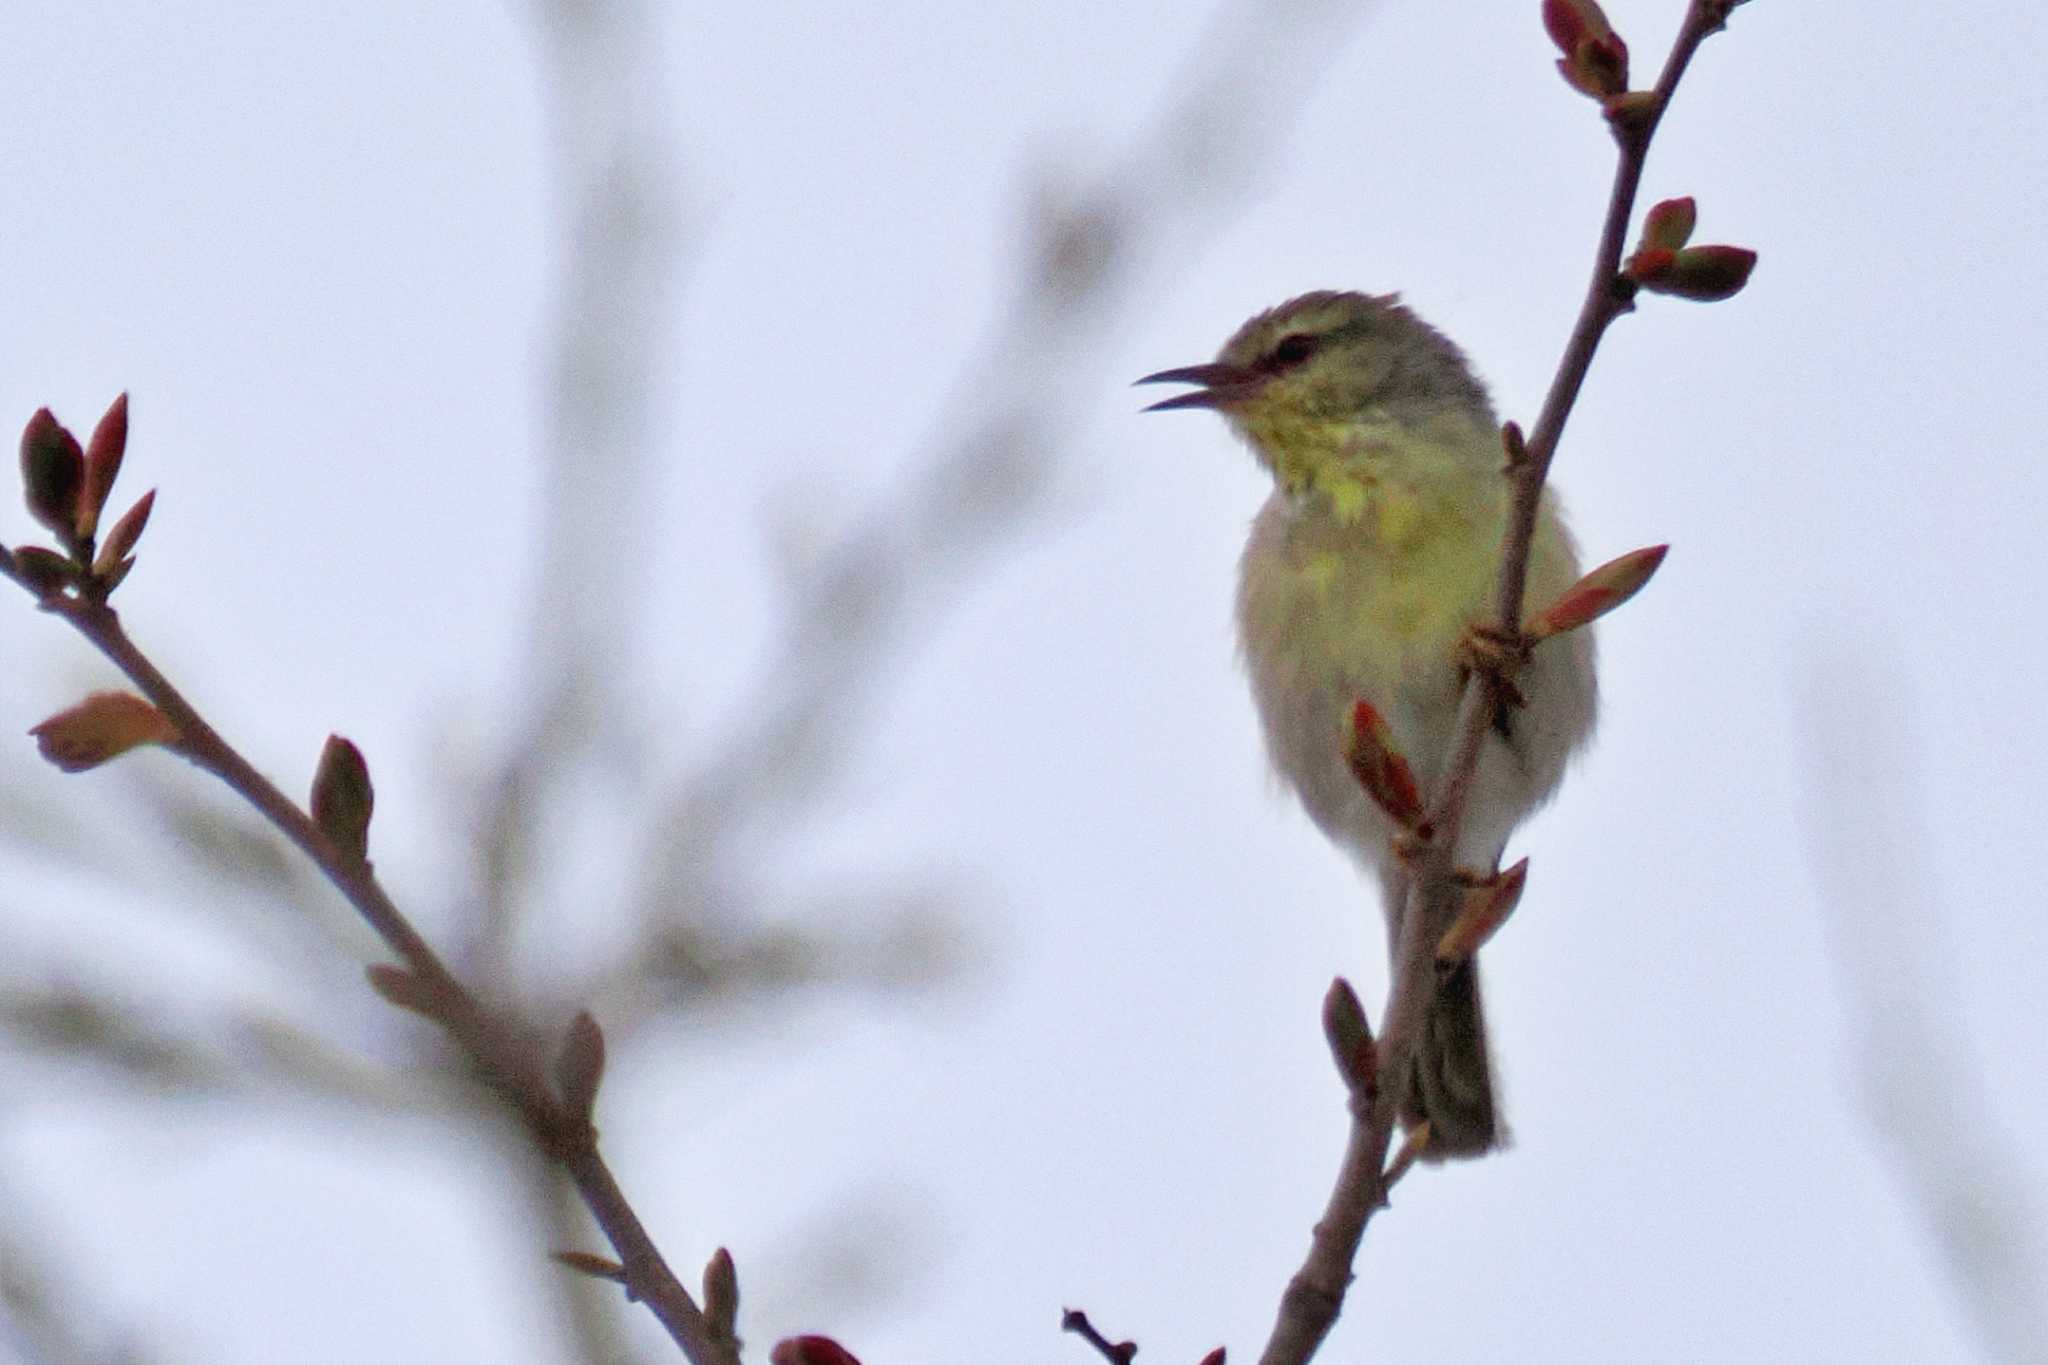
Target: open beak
1221, 386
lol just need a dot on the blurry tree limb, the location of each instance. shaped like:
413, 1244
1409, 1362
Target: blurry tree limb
246, 1053
48, 1312
1917, 1085
586, 1306
985, 473
219, 844
268, 1058
615, 197
41, 1318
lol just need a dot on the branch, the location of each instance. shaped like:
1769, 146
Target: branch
1315, 1295
1115, 1352
560, 1128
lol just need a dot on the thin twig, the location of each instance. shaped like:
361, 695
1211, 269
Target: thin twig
1315, 1295
505, 1059
1115, 1352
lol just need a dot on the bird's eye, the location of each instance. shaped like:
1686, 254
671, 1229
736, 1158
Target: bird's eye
1294, 348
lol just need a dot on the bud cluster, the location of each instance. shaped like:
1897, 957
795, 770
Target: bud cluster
66, 486
1663, 264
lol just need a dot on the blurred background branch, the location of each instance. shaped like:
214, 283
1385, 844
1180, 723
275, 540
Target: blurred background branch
704, 926
1920, 1087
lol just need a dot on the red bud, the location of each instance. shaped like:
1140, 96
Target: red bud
1571, 22
1597, 67
1649, 263
102, 465
1350, 1036
1598, 593
721, 1293
43, 571
1670, 223
52, 473
1631, 110
1595, 60
343, 797
1486, 907
103, 726
1705, 274
113, 558
810, 1351
1513, 444
1380, 768
579, 1067
1564, 22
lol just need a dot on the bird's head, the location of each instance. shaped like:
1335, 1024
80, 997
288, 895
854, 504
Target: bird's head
1303, 380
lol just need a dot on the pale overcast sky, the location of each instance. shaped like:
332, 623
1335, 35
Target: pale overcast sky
1783, 914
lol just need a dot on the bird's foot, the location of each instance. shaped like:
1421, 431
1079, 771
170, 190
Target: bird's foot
1414, 1146
1495, 655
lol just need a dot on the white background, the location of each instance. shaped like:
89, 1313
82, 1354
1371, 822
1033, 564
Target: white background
1768, 1015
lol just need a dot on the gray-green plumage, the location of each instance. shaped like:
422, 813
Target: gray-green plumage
1370, 561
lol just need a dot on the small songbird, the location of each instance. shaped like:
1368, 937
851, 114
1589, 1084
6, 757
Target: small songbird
1367, 571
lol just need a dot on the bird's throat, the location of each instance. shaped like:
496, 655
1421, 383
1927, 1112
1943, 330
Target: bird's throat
1381, 470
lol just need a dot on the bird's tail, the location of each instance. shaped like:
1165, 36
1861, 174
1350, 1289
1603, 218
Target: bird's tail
1452, 1083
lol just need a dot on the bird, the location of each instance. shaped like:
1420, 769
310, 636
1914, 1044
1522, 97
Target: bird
1366, 573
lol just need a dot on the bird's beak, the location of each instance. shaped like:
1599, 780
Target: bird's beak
1221, 386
